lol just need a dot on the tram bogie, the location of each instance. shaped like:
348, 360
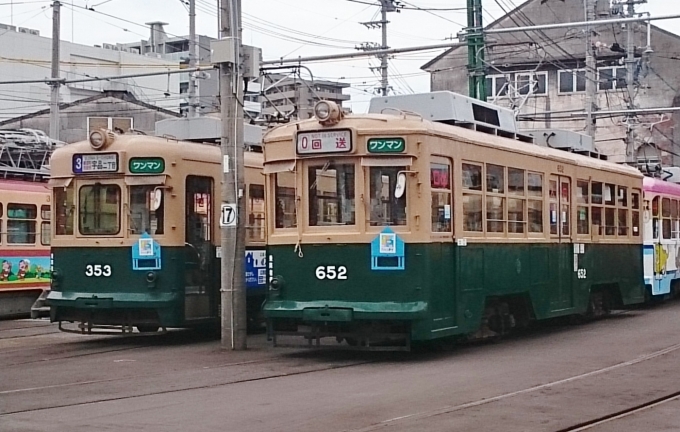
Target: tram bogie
440, 230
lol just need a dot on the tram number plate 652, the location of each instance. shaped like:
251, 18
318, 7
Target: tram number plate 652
331, 272
97, 270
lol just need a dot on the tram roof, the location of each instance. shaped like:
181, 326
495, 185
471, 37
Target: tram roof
650, 184
413, 123
23, 186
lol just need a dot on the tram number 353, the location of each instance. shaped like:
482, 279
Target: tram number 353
331, 272
97, 270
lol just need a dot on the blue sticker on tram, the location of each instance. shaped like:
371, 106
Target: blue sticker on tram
387, 251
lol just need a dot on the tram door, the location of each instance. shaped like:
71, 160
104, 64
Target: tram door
561, 256
198, 256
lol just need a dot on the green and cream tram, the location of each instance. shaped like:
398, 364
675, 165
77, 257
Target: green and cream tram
392, 227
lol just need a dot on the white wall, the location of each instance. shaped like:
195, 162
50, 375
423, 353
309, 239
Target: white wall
28, 57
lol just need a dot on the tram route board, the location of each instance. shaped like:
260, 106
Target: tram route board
95, 163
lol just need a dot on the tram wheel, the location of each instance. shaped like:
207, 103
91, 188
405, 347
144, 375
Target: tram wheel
148, 328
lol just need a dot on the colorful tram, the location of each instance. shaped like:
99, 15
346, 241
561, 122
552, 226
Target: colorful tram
136, 233
395, 228
661, 238
24, 245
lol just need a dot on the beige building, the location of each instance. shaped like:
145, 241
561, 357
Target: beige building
541, 75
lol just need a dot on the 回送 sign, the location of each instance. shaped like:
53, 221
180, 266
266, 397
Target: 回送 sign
332, 141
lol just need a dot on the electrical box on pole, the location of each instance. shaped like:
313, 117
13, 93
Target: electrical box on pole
476, 50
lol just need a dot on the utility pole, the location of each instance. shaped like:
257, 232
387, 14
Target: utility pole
476, 51
233, 293
385, 7
54, 93
193, 56
630, 79
591, 70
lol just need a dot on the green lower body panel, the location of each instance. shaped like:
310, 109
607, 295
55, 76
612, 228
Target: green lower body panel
445, 290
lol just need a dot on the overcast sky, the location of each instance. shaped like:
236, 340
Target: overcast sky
285, 28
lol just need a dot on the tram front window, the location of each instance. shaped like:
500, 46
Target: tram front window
63, 207
142, 216
331, 194
386, 209
99, 209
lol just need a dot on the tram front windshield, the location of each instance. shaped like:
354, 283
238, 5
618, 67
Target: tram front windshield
99, 209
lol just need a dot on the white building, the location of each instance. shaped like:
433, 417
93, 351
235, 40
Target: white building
27, 56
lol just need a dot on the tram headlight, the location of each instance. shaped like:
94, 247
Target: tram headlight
327, 112
151, 278
101, 138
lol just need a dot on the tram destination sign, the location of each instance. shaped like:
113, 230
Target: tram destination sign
320, 142
146, 165
386, 145
95, 163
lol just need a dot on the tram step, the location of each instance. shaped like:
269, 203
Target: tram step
40, 308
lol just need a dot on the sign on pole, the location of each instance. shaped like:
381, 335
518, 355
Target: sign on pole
229, 215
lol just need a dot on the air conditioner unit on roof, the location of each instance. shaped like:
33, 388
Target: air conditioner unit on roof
23, 30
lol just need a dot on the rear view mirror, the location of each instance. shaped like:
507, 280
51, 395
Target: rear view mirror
400, 187
156, 199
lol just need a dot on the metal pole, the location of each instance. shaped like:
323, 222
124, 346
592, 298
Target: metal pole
476, 51
591, 68
192, 58
630, 85
54, 93
383, 57
232, 292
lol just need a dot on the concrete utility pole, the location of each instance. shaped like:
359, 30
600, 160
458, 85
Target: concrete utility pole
591, 70
54, 93
385, 6
233, 293
476, 51
193, 56
630, 79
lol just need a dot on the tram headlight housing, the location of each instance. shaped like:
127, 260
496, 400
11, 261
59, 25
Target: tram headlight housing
56, 278
275, 285
151, 279
101, 138
327, 112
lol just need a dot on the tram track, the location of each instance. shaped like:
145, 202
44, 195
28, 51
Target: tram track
449, 409
622, 413
172, 390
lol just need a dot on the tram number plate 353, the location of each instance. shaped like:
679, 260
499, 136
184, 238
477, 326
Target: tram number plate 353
98, 270
331, 272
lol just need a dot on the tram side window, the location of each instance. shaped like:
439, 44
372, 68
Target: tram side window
440, 183
99, 209
495, 205
666, 218
622, 202
21, 223
582, 200
535, 203
516, 201
610, 209
284, 195
655, 218
332, 195
674, 219
635, 201
256, 212
199, 212
386, 209
64, 206
45, 215
553, 207
472, 197
143, 219
1, 214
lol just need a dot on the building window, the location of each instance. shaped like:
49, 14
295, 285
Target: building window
116, 124
535, 83
611, 78
571, 81
183, 87
497, 85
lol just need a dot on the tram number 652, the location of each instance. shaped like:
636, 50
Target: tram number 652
331, 272
581, 273
97, 270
